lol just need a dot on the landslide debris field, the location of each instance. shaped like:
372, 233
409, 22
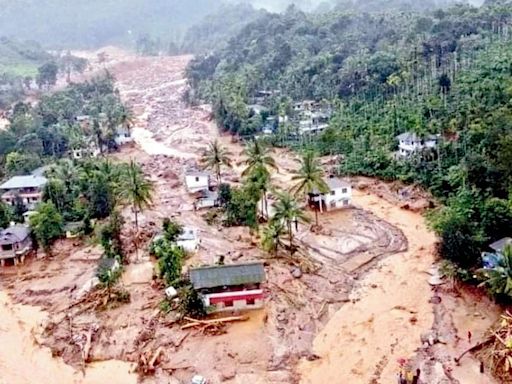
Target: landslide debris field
361, 302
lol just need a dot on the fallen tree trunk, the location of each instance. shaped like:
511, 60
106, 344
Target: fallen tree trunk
474, 348
157, 354
87, 346
197, 323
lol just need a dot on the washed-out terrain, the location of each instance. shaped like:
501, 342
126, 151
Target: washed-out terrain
362, 303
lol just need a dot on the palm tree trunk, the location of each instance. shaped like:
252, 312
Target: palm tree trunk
290, 236
136, 233
136, 218
266, 205
316, 214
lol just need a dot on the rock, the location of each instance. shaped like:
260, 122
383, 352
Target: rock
435, 281
279, 377
296, 272
227, 373
312, 357
428, 337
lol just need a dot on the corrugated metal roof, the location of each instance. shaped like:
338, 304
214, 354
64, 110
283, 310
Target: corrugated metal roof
499, 245
227, 275
18, 182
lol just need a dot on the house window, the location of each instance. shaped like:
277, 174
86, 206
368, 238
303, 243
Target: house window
344, 190
251, 301
333, 193
197, 179
228, 303
333, 204
345, 202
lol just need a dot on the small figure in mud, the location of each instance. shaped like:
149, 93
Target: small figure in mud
469, 337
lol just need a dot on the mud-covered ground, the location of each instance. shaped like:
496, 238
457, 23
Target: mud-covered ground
365, 304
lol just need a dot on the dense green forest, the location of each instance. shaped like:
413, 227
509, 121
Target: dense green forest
447, 72
215, 29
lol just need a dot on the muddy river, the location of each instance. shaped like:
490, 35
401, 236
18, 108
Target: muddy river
361, 343
22, 361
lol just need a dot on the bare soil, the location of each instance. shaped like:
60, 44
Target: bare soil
362, 302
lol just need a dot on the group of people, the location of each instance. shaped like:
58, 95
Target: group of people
408, 377
405, 374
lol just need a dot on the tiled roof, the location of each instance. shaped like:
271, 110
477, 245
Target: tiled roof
14, 234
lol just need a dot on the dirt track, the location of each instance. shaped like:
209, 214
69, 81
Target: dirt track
366, 306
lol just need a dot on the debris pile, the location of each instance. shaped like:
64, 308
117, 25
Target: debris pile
496, 350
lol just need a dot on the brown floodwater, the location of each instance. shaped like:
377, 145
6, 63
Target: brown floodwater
23, 361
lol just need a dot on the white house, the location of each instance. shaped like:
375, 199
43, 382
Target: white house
409, 143
122, 136
188, 240
339, 195
28, 188
90, 149
197, 181
206, 199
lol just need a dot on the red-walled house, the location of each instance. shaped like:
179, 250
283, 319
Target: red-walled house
230, 287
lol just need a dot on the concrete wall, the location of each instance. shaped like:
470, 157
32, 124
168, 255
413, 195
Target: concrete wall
197, 183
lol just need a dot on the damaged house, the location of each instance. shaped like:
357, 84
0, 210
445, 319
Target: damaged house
230, 287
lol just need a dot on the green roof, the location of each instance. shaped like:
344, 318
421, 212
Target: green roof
227, 275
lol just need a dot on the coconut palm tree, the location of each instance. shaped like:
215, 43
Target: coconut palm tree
272, 237
288, 211
309, 178
136, 189
258, 182
66, 172
215, 157
499, 278
259, 165
126, 118
258, 158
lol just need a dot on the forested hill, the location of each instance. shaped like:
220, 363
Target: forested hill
214, 31
446, 73
338, 54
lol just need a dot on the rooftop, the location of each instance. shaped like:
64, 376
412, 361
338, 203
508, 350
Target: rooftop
14, 234
227, 275
197, 173
499, 245
411, 136
188, 234
333, 183
18, 182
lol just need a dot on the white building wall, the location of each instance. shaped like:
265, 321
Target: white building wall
341, 198
197, 183
405, 148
